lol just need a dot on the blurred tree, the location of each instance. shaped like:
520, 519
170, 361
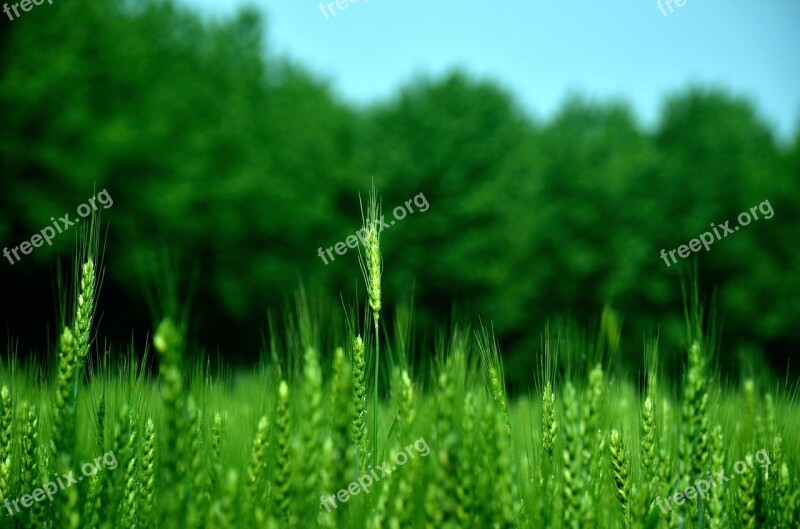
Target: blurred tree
585, 245
231, 162
720, 159
241, 164
450, 140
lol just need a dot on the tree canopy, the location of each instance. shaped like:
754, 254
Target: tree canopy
241, 165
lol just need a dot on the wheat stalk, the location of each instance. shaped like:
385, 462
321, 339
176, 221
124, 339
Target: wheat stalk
359, 429
620, 470
311, 447
372, 268
148, 488
649, 441
283, 471
574, 431
6, 440
257, 471
549, 422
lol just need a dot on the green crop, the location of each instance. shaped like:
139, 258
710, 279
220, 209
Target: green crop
261, 449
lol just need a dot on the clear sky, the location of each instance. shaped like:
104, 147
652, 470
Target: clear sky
541, 51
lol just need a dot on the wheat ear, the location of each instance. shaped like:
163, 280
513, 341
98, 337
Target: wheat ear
620, 469
6, 448
257, 471
148, 487
359, 429
283, 493
549, 422
574, 430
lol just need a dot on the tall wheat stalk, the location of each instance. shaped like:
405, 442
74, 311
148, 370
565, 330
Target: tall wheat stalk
372, 267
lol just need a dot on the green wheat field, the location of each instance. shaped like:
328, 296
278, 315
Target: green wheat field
337, 428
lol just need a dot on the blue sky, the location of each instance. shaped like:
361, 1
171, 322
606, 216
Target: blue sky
542, 51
